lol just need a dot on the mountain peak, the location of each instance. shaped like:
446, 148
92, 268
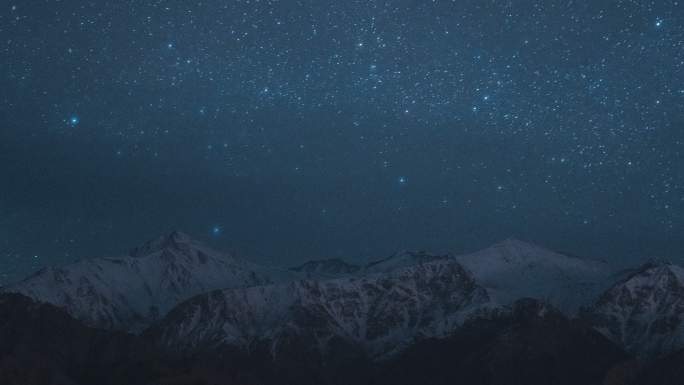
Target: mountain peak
402, 259
514, 241
174, 240
655, 269
131, 292
517, 244
652, 267
326, 267
513, 269
179, 236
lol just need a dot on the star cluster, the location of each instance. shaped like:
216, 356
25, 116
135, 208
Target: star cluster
342, 127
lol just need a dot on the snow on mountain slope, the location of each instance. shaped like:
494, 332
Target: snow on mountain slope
512, 269
644, 312
129, 293
381, 312
509, 270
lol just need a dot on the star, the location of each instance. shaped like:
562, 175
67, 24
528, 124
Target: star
216, 231
302, 100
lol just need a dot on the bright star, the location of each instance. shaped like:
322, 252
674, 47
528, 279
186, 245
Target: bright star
74, 120
216, 231
403, 180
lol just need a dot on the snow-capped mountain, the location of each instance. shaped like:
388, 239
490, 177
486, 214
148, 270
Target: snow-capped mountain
378, 312
645, 311
379, 306
509, 270
513, 269
130, 292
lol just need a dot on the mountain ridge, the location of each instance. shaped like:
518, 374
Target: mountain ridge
132, 291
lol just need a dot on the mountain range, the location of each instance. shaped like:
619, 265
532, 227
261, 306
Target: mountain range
176, 311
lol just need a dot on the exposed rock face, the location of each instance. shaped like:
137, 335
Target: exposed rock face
211, 318
380, 313
131, 292
645, 311
410, 318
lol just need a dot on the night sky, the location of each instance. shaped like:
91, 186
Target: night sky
291, 130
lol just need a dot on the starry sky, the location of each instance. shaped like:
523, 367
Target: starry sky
299, 129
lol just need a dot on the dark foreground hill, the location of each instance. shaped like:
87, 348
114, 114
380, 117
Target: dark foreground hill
530, 344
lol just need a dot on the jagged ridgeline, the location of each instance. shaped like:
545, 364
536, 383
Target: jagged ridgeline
175, 311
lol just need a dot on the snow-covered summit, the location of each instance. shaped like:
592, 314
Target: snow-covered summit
131, 292
514, 269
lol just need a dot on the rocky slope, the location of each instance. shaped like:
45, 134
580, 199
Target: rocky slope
131, 292
528, 343
645, 311
380, 313
409, 318
531, 343
385, 305
509, 270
